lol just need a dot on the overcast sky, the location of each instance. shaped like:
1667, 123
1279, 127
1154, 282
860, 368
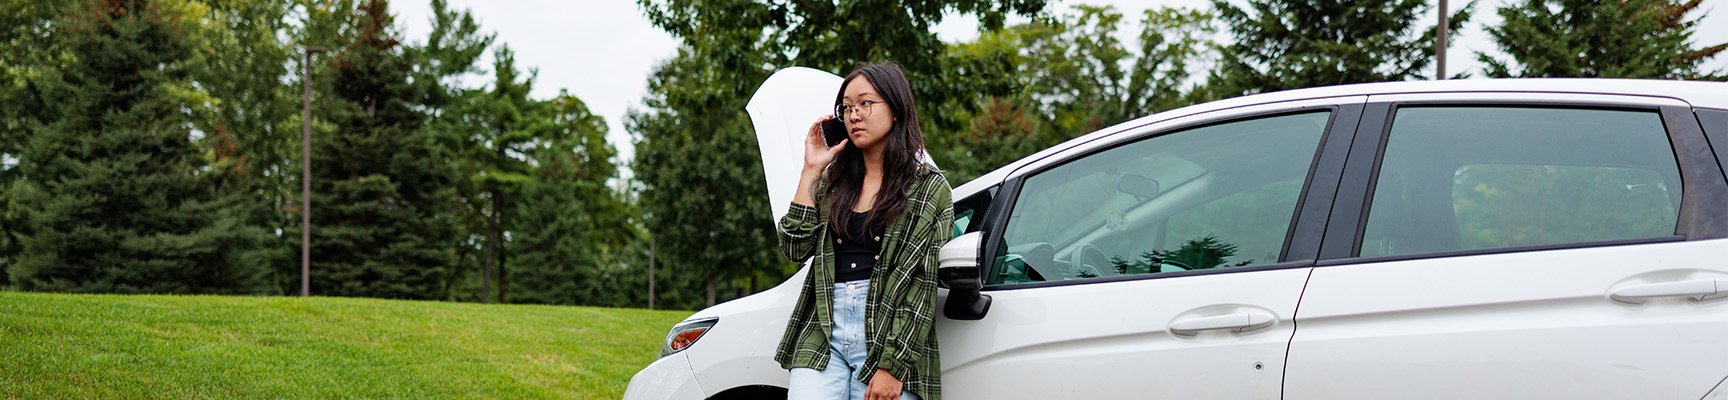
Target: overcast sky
602, 51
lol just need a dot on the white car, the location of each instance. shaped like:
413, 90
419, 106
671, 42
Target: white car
1508, 239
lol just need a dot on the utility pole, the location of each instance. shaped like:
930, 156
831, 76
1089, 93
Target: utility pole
1440, 45
650, 274
306, 170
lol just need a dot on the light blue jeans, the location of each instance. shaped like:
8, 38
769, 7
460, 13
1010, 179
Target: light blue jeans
846, 353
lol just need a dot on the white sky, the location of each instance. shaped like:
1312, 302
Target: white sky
604, 50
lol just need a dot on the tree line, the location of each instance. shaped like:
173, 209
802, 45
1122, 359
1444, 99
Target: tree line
152, 146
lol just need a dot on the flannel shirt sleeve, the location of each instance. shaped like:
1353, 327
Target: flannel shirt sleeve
799, 230
911, 331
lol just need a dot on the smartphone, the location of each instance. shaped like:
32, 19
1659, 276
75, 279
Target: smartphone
833, 131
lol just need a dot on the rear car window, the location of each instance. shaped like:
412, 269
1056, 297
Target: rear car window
1466, 178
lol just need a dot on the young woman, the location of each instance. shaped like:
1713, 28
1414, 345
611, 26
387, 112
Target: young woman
873, 214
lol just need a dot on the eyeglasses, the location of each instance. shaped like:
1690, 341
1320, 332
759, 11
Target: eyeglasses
863, 109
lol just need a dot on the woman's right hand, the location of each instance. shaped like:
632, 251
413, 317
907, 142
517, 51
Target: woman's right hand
817, 153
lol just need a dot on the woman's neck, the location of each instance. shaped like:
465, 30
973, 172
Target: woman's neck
873, 161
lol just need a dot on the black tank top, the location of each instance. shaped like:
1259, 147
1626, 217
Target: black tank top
858, 251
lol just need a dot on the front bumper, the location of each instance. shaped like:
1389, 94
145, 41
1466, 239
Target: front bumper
668, 378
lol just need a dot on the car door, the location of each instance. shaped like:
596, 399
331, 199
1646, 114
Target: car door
1519, 246
1157, 263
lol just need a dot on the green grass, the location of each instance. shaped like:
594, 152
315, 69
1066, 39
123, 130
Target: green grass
174, 347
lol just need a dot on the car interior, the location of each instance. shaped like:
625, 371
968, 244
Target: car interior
1464, 178
1132, 209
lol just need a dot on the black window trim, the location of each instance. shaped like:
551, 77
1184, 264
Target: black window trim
994, 219
1161, 275
1704, 188
1356, 177
1325, 176
984, 198
1714, 124
1309, 215
1501, 250
1702, 180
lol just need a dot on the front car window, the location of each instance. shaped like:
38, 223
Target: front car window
969, 212
1467, 178
1210, 197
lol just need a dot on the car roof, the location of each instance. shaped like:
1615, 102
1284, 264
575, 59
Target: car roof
1703, 94
1700, 94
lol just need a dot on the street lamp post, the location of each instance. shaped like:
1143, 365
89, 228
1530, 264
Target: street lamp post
306, 171
1440, 45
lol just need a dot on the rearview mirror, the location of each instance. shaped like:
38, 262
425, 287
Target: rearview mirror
1138, 186
957, 269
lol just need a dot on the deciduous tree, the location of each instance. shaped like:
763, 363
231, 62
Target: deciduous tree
703, 195
1085, 79
1072, 76
696, 154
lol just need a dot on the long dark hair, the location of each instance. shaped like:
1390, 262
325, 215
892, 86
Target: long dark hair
901, 159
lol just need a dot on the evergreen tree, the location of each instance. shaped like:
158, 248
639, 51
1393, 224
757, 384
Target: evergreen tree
567, 228
1289, 44
1205, 252
382, 186
250, 115
451, 52
1606, 39
113, 193
499, 127
24, 47
449, 55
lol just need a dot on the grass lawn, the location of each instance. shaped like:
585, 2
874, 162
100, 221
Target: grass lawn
174, 347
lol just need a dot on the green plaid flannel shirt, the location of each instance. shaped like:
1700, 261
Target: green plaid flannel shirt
900, 308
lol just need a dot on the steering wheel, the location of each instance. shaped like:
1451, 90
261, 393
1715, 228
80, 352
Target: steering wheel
1088, 261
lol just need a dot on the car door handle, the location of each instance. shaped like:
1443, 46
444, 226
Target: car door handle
1239, 322
1698, 289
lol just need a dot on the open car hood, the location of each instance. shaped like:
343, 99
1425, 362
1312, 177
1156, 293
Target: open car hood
781, 111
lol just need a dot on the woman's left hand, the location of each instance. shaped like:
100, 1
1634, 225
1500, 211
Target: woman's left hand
883, 386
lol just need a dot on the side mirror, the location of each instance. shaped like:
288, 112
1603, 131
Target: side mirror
957, 268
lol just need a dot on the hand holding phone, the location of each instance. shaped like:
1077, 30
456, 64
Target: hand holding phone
833, 131
818, 153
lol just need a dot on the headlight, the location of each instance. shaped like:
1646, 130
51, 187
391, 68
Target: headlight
686, 334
